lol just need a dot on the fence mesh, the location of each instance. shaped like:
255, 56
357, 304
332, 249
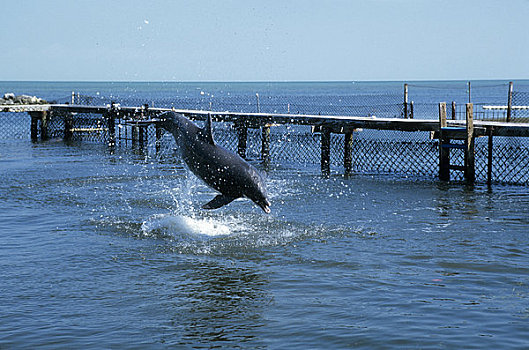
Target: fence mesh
490, 101
373, 151
520, 112
382, 106
14, 126
423, 101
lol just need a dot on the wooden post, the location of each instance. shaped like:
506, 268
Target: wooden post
444, 153
242, 135
73, 97
405, 101
44, 125
159, 135
509, 103
111, 122
411, 110
111, 129
134, 135
41, 117
348, 153
265, 145
258, 103
489, 158
470, 174
469, 101
35, 116
68, 126
453, 110
325, 151
141, 135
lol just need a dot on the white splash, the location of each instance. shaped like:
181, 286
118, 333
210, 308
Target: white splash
188, 225
204, 226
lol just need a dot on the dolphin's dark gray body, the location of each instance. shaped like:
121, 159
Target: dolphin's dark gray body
220, 168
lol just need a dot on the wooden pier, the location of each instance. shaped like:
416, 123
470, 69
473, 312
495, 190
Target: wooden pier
453, 135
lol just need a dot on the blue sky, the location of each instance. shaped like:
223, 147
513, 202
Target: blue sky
245, 40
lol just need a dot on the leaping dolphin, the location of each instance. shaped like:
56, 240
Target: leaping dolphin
218, 167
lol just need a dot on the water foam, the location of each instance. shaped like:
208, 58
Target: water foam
232, 229
176, 224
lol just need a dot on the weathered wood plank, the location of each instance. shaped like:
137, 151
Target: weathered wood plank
444, 152
265, 145
348, 156
509, 103
242, 136
470, 170
335, 123
325, 152
489, 157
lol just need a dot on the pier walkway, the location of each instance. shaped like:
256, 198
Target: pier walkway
444, 137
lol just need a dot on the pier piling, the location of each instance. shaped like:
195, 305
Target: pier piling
158, 137
68, 126
34, 125
110, 117
444, 152
134, 136
406, 101
489, 156
265, 145
242, 136
42, 118
509, 102
447, 135
470, 173
325, 151
348, 150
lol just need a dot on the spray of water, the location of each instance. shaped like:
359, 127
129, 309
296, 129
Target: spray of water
185, 219
235, 229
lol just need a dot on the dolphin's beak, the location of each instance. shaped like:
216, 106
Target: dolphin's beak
265, 206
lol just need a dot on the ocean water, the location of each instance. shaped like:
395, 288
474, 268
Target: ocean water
106, 249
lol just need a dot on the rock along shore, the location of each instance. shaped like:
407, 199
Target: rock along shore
10, 99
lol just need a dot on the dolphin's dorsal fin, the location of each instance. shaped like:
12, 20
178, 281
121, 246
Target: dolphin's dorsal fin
206, 133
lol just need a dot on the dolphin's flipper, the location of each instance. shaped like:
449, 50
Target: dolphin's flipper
217, 202
207, 134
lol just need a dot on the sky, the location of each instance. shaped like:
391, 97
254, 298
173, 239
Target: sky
272, 40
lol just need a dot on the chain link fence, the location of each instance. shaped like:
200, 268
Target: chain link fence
373, 151
14, 126
520, 112
368, 105
490, 101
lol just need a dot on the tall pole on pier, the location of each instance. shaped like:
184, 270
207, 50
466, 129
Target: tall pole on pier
405, 101
509, 103
258, 103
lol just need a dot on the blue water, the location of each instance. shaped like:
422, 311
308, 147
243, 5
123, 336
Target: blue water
108, 249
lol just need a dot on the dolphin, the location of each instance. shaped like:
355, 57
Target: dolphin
218, 167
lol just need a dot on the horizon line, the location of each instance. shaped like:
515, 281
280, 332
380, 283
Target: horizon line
257, 81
